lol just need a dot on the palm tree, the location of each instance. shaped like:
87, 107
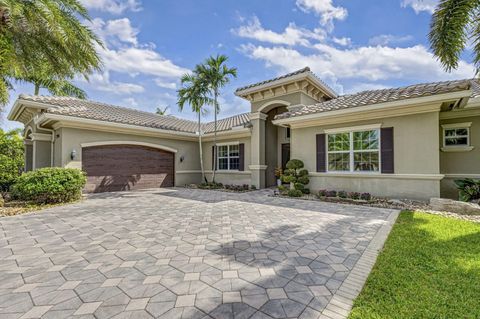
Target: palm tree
43, 42
215, 73
454, 22
162, 111
195, 93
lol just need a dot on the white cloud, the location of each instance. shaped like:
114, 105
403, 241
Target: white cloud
166, 85
420, 5
324, 8
292, 35
102, 82
414, 63
130, 102
134, 61
113, 30
342, 41
384, 39
113, 6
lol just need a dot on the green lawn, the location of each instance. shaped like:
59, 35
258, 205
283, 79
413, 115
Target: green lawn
429, 268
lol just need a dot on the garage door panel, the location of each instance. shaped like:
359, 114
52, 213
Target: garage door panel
127, 167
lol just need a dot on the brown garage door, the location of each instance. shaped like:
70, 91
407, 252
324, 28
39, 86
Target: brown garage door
112, 168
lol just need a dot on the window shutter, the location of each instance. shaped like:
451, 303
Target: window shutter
387, 150
241, 155
214, 162
321, 153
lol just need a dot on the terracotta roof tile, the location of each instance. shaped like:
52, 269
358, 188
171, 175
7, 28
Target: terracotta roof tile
70, 106
384, 95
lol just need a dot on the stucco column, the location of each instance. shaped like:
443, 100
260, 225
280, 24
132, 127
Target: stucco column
257, 166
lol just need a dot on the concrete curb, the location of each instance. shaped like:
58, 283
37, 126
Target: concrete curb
340, 305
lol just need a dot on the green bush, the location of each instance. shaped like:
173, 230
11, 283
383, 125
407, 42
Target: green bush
342, 194
50, 185
296, 175
468, 189
295, 193
11, 159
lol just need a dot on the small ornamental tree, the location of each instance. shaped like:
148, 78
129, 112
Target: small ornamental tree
11, 159
297, 176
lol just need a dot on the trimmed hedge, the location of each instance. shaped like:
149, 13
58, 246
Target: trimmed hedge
50, 185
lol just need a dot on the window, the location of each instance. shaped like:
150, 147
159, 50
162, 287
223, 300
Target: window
229, 157
356, 151
456, 135
287, 133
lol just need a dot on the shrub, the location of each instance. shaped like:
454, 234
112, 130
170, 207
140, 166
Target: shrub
354, 195
342, 194
253, 187
303, 179
366, 196
11, 159
295, 193
282, 188
331, 193
468, 189
306, 191
50, 185
210, 185
322, 193
296, 175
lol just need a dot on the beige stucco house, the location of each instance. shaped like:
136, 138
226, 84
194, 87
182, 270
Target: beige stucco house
408, 142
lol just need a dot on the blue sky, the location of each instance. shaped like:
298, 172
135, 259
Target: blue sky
351, 45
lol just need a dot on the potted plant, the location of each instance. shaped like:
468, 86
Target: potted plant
278, 175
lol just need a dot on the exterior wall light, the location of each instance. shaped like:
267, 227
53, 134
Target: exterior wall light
182, 158
73, 154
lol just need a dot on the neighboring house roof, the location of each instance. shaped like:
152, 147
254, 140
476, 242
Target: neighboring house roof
305, 71
86, 109
383, 96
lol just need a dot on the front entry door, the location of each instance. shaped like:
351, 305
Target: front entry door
285, 154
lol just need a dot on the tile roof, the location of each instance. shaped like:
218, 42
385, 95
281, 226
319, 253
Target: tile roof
384, 95
305, 70
74, 107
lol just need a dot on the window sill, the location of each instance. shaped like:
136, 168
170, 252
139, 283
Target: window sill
457, 149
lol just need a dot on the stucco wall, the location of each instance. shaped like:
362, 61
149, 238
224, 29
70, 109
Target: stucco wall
72, 138
228, 177
291, 99
456, 165
415, 152
42, 154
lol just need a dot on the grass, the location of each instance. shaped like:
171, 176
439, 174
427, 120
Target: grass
18, 208
429, 268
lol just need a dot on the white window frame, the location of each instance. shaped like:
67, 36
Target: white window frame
453, 148
228, 155
351, 151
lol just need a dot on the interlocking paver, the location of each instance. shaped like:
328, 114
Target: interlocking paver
178, 253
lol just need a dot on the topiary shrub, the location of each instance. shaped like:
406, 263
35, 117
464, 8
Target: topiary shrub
297, 176
50, 185
322, 193
295, 193
331, 193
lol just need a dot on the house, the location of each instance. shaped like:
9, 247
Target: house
408, 142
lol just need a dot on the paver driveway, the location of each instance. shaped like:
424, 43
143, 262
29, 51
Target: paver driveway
178, 253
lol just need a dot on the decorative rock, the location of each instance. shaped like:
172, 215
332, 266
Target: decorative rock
449, 205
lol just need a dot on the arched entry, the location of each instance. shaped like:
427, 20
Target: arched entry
28, 144
277, 140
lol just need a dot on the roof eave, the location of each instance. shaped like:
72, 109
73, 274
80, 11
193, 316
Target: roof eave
293, 78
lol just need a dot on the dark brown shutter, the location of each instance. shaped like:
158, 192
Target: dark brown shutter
387, 150
214, 162
321, 153
241, 154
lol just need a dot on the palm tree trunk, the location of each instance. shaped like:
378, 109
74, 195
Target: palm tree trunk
200, 144
37, 89
215, 136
